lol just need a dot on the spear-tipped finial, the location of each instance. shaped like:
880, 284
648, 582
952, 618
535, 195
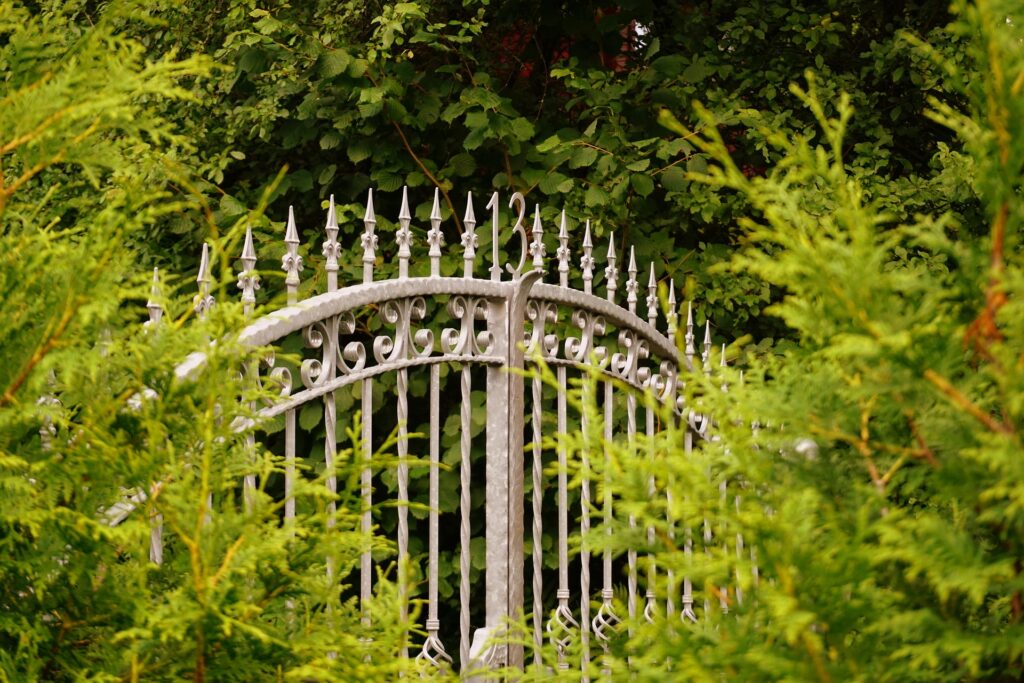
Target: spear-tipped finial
156, 311
562, 253
537, 245
706, 355
203, 301
469, 238
652, 299
331, 248
587, 261
404, 236
369, 238
723, 363
631, 284
611, 273
435, 238
248, 280
291, 262
670, 314
688, 338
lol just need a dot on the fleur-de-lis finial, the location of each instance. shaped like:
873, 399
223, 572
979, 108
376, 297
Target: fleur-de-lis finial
537, 245
587, 261
670, 314
469, 238
563, 253
706, 355
248, 280
631, 284
652, 299
611, 273
331, 248
435, 238
688, 337
156, 311
203, 301
369, 238
404, 236
291, 262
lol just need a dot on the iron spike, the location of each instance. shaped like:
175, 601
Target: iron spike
587, 261
248, 280
469, 237
631, 283
203, 301
435, 238
688, 337
611, 273
652, 299
537, 246
670, 315
562, 253
404, 236
706, 355
156, 311
369, 238
331, 248
291, 262
723, 363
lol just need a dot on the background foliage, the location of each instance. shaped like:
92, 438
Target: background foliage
876, 212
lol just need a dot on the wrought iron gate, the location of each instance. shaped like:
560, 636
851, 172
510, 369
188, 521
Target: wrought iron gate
506, 323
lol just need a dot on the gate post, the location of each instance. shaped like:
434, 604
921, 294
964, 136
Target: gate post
504, 526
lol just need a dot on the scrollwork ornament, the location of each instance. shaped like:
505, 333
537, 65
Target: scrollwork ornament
466, 341
540, 314
406, 343
591, 326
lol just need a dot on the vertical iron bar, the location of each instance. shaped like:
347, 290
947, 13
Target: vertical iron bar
584, 532
366, 486
433, 624
403, 496
464, 510
538, 496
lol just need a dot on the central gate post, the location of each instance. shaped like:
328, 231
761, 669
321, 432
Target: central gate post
505, 539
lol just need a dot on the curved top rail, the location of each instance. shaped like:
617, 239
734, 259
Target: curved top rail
295, 317
611, 311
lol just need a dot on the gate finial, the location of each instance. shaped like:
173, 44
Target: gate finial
587, 261
688, 337
611, 273
435, 238
670, 314
537, 246
631, 283
404, 235
291, 262
203, 301
369, 238
248, 280
652, 299
563, 253
706, 355
331, 248
156, 311
469, 238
